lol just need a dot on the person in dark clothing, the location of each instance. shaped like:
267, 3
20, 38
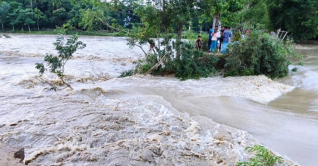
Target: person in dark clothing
199, 43
220, 40
227, 34
211, 31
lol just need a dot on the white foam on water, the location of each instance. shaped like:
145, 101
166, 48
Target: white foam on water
88, 126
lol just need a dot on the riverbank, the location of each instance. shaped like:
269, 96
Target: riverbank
121, 116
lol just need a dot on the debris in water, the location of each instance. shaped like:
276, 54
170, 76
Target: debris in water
19, 154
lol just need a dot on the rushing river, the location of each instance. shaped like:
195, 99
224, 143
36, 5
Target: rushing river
281, 114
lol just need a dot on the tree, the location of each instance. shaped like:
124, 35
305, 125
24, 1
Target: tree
65, 49
59, 16
4, 10
39, 16
15, 15
27, 18
299, 17
29, 21
256, 12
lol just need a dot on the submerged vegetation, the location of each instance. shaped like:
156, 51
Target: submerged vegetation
260, 53
191, 64
56, 64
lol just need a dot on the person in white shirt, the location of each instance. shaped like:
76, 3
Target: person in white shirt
214, 40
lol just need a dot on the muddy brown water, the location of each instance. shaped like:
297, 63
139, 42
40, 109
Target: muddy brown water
288, 125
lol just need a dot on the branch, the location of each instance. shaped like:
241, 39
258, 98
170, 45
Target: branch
111, 27
68, 85
46, 81
155, 66
122, 30
141, 49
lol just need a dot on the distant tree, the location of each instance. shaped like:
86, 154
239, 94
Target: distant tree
59, 16
28, 18
299, 17
38, 16
4, 10
14, 16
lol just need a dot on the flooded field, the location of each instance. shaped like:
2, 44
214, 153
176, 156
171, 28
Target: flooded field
143, 119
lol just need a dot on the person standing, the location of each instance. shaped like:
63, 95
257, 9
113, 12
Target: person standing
199, 43
214, 40
210, 36
238, 36
247, 32
220, 39
226, 39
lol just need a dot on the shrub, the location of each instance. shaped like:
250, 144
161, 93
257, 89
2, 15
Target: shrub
57, 63
145, 64
205, 39
127, 73
263, 157
258, 54
192, 64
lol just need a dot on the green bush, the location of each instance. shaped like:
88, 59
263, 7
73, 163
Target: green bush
127, 73
144, 65
56, 64
205, 40
192, 64
263, 157
258, 54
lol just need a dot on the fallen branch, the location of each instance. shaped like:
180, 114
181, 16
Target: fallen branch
155, 66
68, 85
47, 82
121, 30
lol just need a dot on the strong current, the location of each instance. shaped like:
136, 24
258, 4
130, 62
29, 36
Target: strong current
67, 127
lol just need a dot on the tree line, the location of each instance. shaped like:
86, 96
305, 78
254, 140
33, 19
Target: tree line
299, 17
17, 15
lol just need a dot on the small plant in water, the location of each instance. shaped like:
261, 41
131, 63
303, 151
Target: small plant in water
65, 49
263, 157
127, 73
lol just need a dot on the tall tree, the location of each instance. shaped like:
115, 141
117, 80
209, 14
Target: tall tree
27, 18
38, 16
299, 17
14, 16
4, 10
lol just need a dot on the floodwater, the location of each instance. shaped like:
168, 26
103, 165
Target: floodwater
281, 114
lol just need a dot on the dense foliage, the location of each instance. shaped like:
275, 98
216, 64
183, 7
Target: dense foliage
258, 54
49, 14
299, 17
192, 64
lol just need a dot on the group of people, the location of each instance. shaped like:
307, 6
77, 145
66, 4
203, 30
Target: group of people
218, 40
